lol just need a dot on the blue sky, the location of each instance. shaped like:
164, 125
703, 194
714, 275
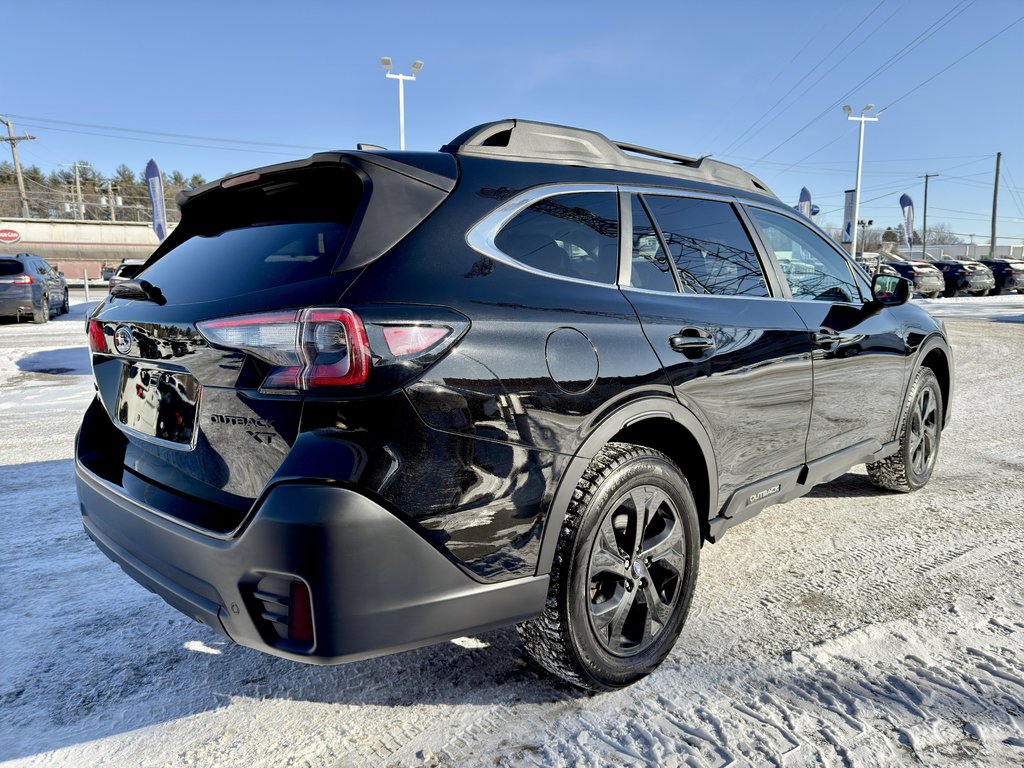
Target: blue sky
734, 79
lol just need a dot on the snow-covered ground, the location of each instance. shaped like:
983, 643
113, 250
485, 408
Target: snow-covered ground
850, 627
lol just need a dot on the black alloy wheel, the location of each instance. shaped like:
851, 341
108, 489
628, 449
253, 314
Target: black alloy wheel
635, 570
623, 574
920, 434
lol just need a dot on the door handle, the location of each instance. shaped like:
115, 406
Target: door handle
827, 337
682, 343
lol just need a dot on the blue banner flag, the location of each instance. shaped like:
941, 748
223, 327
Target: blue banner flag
155, 182
848, 217
908, 219
804, 206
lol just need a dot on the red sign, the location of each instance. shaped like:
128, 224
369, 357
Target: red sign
9, 237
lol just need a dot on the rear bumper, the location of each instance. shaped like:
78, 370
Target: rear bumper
21, 305
376, 586
929, 284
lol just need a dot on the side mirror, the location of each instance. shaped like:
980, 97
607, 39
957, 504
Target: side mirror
890, 290
61, 274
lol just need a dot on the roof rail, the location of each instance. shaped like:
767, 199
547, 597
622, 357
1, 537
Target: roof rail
529, 141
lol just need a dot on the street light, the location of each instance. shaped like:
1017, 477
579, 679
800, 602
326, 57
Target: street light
860, 154
416, 67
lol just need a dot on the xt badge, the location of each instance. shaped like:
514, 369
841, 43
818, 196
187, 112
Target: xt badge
263, 438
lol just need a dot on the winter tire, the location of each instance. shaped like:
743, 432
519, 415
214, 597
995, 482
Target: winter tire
920, 433
42, 314
623, 574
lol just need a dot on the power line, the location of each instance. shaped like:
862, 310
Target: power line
161, 141
162, 133
975, 48
739, 142
935, 27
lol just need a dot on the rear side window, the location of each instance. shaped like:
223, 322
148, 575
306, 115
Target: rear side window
651, 269
10, 267
575, 235
709, 246
207, 267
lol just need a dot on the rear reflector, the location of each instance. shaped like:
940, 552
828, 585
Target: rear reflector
300, 613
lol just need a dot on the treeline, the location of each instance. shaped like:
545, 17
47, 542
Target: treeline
124, 196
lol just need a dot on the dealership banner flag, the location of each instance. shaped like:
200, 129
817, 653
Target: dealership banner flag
848, 217
908, 219
155, 182
804, 206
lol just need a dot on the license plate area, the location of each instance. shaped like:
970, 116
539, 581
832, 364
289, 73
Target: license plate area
158, 405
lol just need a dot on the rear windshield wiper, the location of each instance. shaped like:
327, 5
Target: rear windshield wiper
138, 289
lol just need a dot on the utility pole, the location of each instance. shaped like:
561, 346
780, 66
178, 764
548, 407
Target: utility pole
924, 228
995, 201
79, 201
17, 163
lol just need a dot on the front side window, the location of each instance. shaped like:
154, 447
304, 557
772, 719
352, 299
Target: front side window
709, 246
574, 235
813, 269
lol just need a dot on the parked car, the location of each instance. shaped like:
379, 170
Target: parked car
520, 380
927, 279
1009, 275
30, 286
963, 276
126, 270
874, 263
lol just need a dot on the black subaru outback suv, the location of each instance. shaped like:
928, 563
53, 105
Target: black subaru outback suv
519, 380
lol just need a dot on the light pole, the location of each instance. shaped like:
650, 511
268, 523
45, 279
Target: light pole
860, 155
416, 67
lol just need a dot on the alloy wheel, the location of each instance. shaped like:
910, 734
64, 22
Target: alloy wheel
635, 570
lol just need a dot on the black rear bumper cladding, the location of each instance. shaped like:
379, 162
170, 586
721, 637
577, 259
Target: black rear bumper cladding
376, 586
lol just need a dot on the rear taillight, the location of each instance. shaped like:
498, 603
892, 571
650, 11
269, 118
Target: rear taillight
23, 280
308, 349
97, 339
412, 339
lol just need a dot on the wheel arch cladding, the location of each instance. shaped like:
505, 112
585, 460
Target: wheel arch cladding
654, 423
938, 361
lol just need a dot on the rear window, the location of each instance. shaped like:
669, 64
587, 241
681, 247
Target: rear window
286, 228
10, 267
248, 259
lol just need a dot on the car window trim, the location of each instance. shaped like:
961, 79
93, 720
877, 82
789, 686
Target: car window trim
481, 236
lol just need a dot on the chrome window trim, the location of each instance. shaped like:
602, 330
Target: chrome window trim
684, 294
481, 236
